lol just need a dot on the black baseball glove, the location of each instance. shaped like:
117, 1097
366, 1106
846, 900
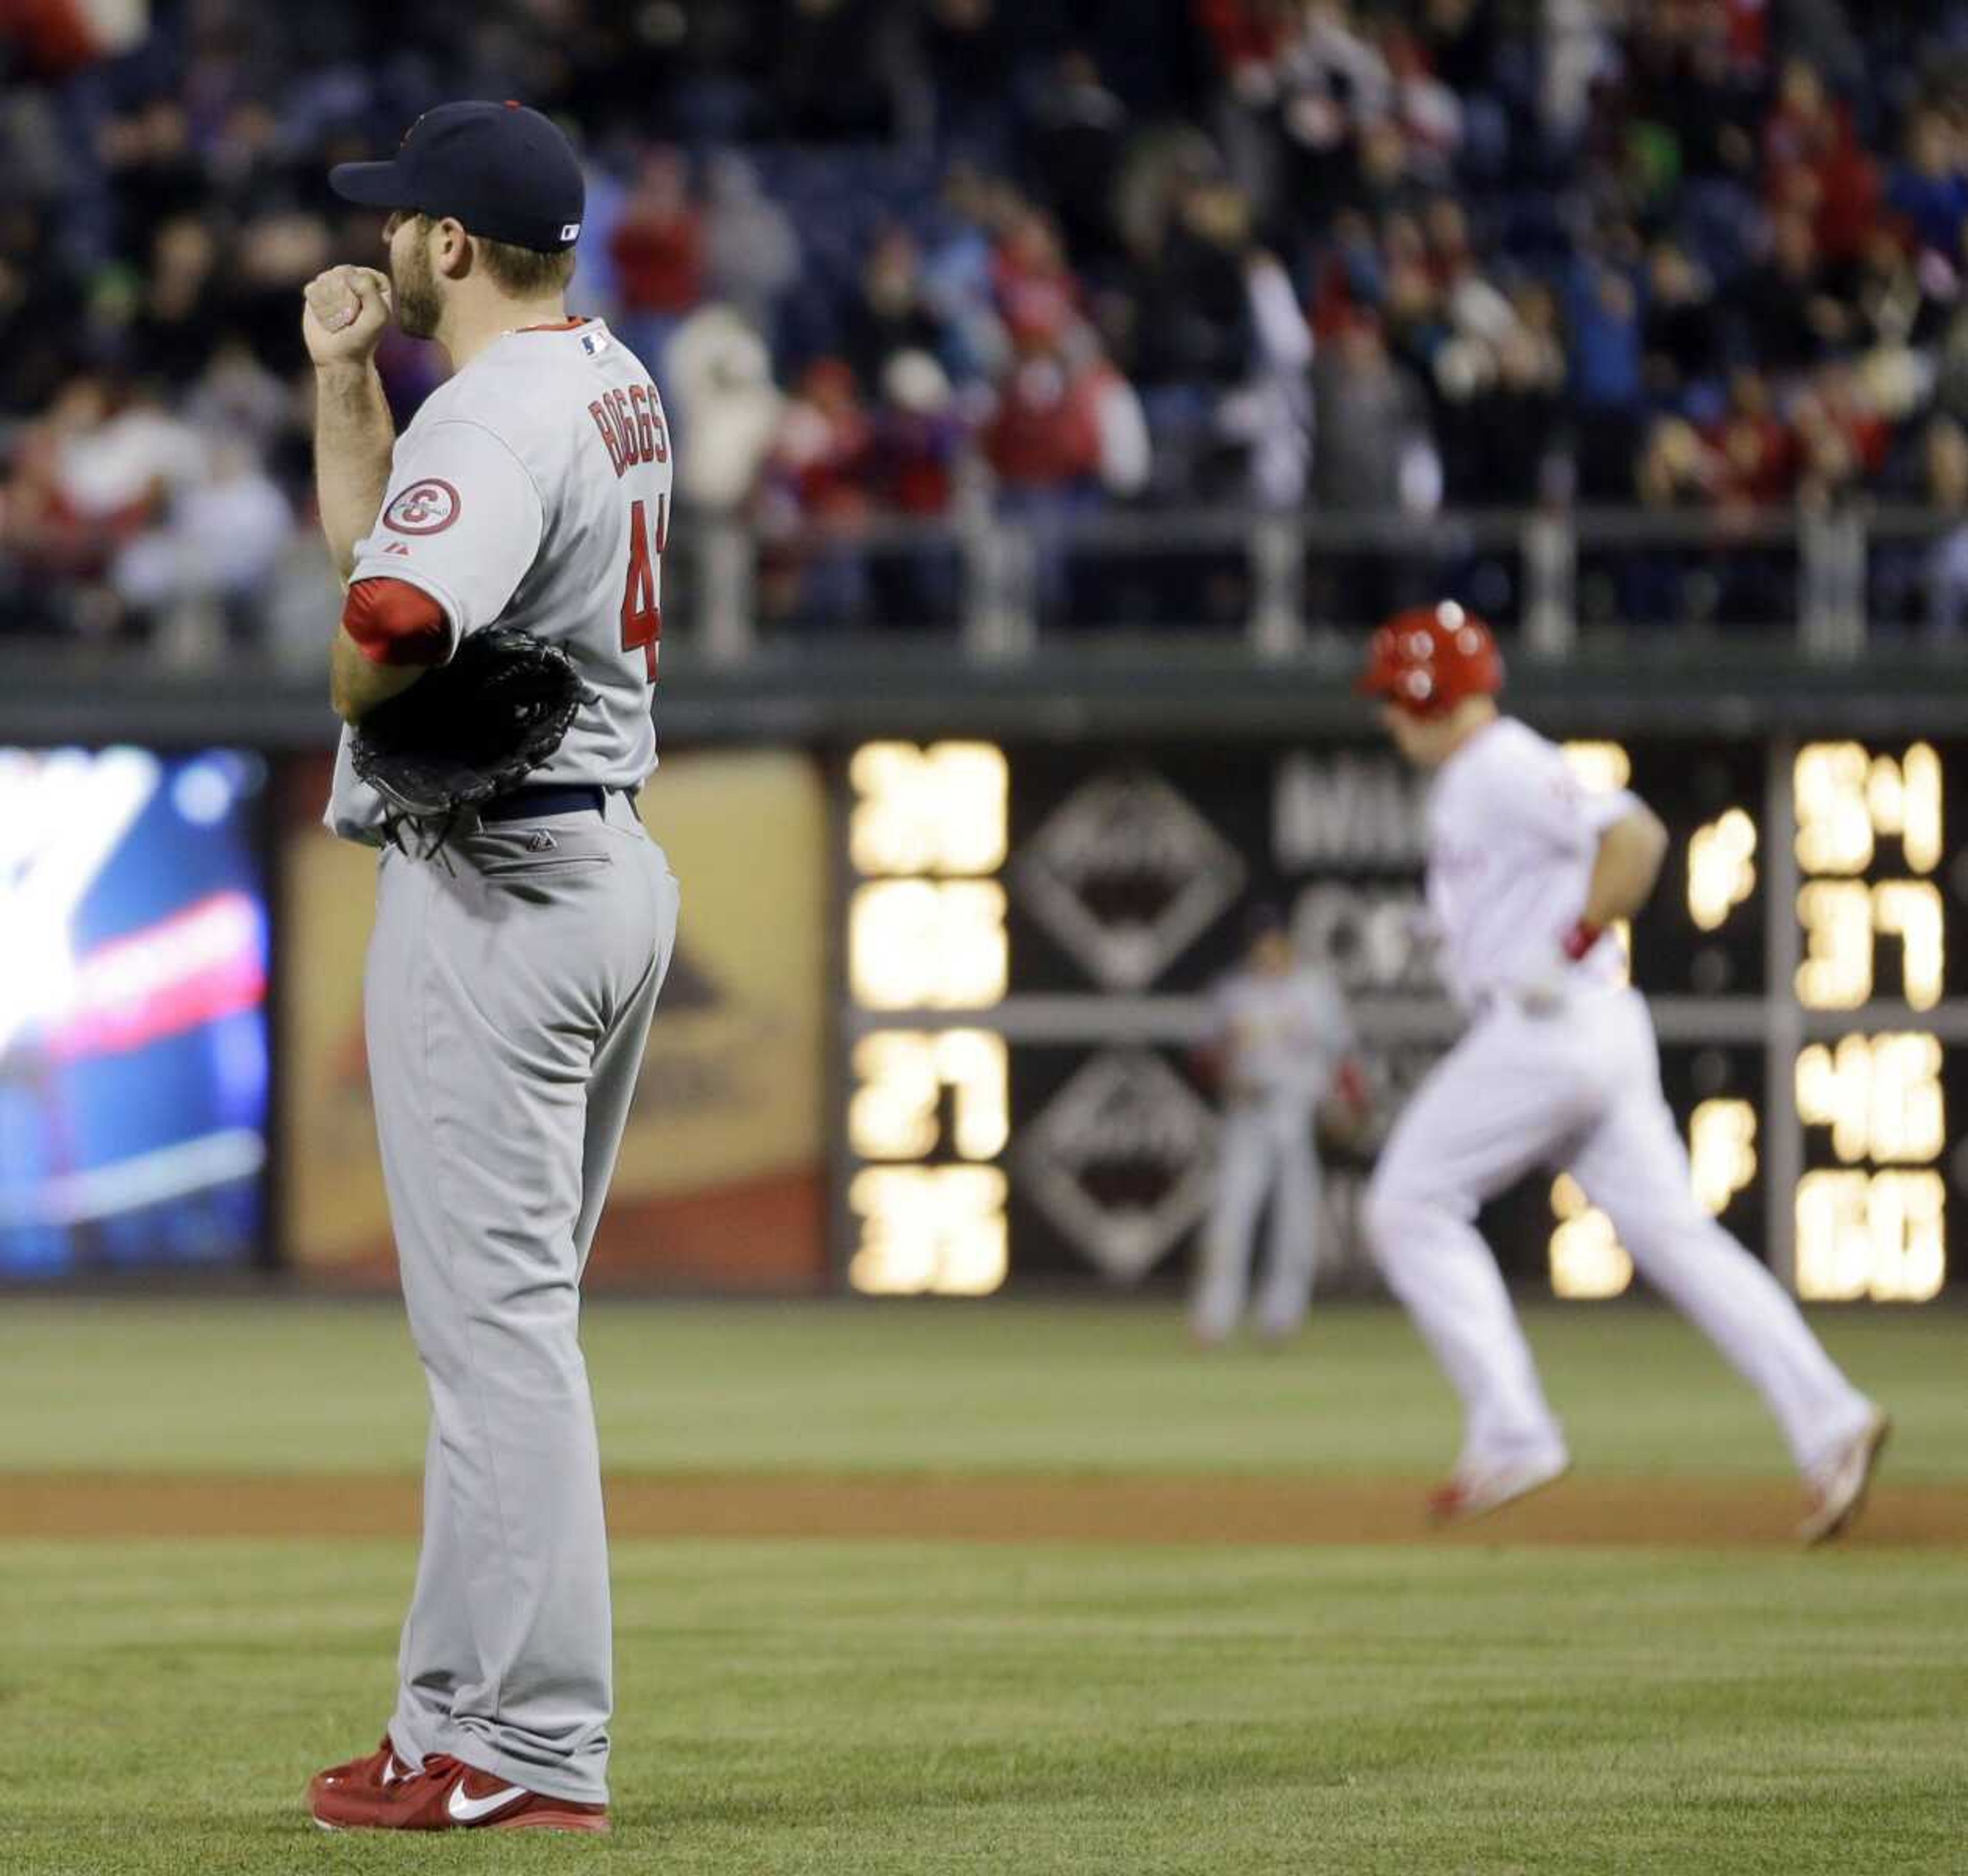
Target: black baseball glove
472, 729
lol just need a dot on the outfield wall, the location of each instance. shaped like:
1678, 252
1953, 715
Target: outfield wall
946, 946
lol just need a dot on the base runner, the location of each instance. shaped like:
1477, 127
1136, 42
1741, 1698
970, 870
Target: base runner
1559, 1067
517, 955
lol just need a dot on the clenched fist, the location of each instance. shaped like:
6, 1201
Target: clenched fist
346, 310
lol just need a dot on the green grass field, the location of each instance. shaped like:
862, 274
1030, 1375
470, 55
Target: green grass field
335, 1387
920, 1707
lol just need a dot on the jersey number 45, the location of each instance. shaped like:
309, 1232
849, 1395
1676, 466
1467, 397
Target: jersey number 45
642, 616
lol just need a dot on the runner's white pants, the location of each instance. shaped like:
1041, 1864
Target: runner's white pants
1578, 1089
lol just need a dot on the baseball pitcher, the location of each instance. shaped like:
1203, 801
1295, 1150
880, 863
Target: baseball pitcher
517, 956
1283, 1041
1558, 1066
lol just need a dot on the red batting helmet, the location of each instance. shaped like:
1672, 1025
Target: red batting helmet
1428, 659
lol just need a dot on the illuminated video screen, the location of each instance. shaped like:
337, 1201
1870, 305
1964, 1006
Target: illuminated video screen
133, 1070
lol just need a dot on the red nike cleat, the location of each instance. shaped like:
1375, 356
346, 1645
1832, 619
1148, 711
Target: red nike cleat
446, 1795
374, 1771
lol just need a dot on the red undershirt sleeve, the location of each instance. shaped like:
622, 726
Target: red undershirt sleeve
394, 622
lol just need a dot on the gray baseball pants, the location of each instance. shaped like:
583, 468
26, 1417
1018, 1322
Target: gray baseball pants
1265, 1147
509, 987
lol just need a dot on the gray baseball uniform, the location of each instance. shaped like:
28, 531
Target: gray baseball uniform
1287, 1035
510, 984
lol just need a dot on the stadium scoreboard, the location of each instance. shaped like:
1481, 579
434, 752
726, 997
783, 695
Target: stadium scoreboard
1031, 929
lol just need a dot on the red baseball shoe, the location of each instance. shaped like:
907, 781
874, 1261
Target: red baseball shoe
446, 1795
374, 1771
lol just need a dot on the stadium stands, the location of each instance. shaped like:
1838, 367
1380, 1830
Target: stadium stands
1133, 279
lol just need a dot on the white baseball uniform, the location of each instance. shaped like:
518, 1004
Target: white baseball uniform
1285, 1035
509, 987
1512, 838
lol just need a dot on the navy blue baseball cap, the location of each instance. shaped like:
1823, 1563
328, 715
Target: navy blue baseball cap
1263, 917
504, 171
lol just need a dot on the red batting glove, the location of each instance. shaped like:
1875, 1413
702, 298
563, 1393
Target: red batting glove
1580, 939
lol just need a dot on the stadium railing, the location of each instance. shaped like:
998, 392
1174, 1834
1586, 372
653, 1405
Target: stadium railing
769, 632
1000, 588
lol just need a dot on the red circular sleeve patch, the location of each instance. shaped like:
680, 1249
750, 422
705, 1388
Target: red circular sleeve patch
425, 507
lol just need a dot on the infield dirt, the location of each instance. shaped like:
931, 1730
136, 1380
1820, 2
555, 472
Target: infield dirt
1617, 1512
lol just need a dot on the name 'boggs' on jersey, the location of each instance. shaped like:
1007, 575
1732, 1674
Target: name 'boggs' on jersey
501, 508
631, 422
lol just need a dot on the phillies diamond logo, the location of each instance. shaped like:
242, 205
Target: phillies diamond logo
1125, 874
1120, 1160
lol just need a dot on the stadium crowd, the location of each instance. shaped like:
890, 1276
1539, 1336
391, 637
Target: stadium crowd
891, 257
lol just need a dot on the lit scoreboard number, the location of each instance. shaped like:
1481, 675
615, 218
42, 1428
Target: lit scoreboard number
1872, 1222
1866, 935
1029, 934
1850, 802
928, 1110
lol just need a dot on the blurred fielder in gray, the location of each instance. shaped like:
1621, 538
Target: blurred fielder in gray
1283, 1045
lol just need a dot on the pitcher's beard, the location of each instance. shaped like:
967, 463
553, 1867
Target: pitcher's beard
419, 309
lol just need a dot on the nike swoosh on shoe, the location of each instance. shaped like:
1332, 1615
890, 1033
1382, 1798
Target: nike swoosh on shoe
462, 1809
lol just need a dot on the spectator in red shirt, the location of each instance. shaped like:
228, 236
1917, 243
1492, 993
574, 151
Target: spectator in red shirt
821, 457
817, 500
1067, 425
1755, 457
1250, 37
1045, 432
1037, 294
658, 251
1813, 162
1748, 33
